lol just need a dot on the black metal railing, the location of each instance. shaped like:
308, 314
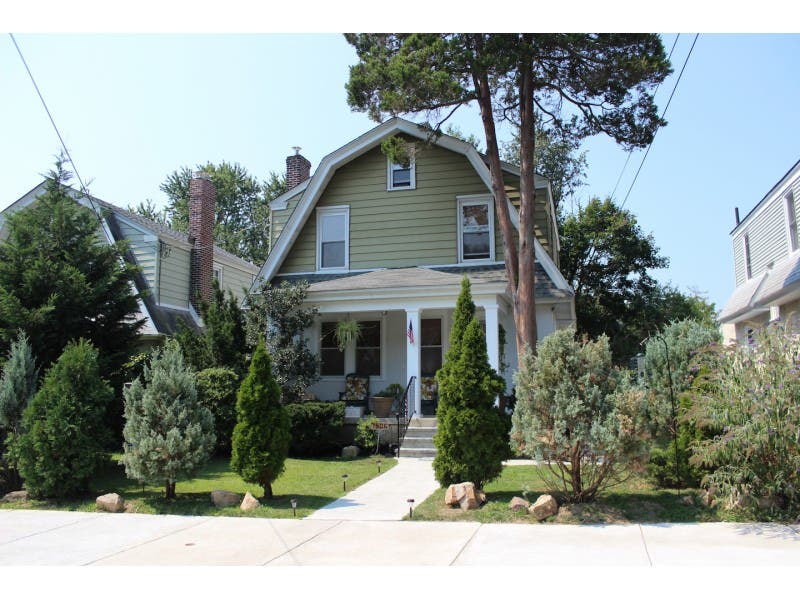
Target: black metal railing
403, 414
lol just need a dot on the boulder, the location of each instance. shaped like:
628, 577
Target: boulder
350, 452
18, 496
112, 503
249, 502
545, 506
687, 501
465, 495
518, 504
223, 499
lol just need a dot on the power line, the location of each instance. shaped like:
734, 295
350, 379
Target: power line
627, 160
84, 189
650, 145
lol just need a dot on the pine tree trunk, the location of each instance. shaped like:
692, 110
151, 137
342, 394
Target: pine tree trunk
267, 490
170, 490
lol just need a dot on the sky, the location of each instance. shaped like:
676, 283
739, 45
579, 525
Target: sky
132, 108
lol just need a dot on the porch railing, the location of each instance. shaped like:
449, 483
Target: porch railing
403, 414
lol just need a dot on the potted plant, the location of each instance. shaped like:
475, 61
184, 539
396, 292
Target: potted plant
383, 400
347, 332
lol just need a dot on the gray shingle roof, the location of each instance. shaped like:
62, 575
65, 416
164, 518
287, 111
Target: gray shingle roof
419, 277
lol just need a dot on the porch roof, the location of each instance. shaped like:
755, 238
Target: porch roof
420, 277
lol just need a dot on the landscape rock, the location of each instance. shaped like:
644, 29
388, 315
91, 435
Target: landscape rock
518, 504
545, 506
223, 499
687, 501
465, 495
249, 502
112, 503
18, 496
350, 452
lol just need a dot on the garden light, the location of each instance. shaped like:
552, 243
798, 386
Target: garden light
410, 508
378, 462
344, 482
294, 506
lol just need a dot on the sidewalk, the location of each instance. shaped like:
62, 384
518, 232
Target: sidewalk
72, 538
384, 498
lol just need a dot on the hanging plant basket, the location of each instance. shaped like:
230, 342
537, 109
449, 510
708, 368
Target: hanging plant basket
347, 332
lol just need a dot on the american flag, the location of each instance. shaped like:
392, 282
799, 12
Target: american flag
410, 332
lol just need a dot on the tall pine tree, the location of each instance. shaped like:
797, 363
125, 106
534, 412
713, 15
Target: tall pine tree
59, 282
471, 440
262, 433
168, 434
61, 444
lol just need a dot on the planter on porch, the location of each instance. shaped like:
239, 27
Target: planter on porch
382, 406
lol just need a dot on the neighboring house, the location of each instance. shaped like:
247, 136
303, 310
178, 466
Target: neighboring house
766, 262
176, 268
387, 245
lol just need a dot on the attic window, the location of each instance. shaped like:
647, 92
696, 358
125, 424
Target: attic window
401, 177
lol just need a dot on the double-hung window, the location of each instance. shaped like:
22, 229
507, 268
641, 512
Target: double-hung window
475, 228
401, 177
331, 357
368, 348
333, 224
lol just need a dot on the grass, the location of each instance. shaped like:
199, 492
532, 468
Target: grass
312, 482
634, 501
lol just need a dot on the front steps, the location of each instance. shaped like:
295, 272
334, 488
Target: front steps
418, 441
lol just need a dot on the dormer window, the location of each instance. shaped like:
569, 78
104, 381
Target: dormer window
475, 228
402, 177
333, 225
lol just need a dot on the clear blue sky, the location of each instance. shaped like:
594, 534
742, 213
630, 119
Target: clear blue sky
133, 108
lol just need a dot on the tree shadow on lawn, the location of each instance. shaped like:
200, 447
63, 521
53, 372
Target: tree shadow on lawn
199, 504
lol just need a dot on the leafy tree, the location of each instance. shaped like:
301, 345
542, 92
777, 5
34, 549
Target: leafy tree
557, 159
58, 284
471, 440
242, 221
223, 342
216, 390
168, 434
579, 414
60, 446
262, 433
149, 210
278, 314
17, 387
607, 259
750, 399
604, 79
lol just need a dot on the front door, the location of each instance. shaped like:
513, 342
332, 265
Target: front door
431, 359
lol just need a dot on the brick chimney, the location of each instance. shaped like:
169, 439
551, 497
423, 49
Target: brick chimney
298, 169
202, 214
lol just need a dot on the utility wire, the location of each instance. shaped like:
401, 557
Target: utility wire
84, 189
650, 145
627, 160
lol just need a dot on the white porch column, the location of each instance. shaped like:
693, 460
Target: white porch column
492, 336
413, 356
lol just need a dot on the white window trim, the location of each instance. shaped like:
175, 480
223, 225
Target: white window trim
471, 200
327, 211
390, 167
747, 257
791, 216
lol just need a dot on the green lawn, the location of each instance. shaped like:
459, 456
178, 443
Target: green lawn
314, 483
634, 501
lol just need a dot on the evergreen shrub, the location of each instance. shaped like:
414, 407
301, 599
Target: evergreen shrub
316, 427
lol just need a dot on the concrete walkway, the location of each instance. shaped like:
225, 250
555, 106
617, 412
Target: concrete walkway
72, 538
384, 498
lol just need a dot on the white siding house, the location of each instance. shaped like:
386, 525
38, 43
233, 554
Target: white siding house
766, 259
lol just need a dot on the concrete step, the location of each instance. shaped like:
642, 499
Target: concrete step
411, 442
417, 452
423, 422
421, 432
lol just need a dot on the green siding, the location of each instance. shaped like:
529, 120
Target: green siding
144, 247
278, 218
401, 228
234, 279
174, 277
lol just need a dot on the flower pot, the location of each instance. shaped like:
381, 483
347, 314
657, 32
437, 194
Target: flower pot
382, 406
